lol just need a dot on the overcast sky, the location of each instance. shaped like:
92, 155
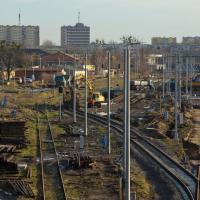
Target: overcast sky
108, 19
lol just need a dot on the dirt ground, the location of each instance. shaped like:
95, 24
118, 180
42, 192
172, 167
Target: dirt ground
195, 135
100, 183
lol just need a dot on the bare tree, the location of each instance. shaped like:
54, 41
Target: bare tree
117, 59
48, 43
129, 39
98, 58
11, 56
100, 42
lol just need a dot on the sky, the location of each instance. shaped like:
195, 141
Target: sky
108, 19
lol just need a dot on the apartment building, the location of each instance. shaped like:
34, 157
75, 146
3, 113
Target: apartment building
163, 40
3, 33
191, 40
27, 36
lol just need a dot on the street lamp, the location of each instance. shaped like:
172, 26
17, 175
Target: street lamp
86, 120
126, 172
74, 102
176, 136
33, 68
108, 106
163, 70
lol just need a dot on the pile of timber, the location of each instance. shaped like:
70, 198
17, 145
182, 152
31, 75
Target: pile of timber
13, 133
6, 166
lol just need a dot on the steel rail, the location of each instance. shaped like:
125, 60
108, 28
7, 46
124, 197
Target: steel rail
198, 185
41, 157
57, 160
50, 132
156, 154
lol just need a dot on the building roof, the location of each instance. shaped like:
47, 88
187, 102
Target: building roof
58, 55
45, 70
36, 52
52, 49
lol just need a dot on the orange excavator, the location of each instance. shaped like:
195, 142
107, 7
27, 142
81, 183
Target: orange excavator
95, 98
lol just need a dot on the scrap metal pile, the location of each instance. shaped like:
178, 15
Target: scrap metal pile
79, 161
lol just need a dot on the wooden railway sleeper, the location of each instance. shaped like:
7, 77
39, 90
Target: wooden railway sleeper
13, 186
24, 188
20, 185
18, 189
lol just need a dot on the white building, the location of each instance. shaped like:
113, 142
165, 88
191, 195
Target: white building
27, 36
15, 34
31, 37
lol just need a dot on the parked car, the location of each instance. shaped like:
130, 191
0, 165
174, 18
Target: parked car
28, 80
17, 79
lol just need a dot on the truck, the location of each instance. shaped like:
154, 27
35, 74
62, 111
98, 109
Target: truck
58, 80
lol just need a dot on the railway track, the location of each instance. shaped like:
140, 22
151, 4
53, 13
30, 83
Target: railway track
51, 175
185, 181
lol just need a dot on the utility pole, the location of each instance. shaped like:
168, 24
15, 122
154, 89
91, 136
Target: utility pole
180, 81
127, 180
74, 102
169, 75
54, 83
60, 110
191, 75
86, 121
163, 91
25, 76
166, 71
186, 85
125, 110
176, 137
108, 106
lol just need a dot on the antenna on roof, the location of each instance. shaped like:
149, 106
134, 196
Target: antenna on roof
19, 18
79, 16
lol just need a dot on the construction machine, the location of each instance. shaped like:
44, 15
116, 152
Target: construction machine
95, 98
80, 83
